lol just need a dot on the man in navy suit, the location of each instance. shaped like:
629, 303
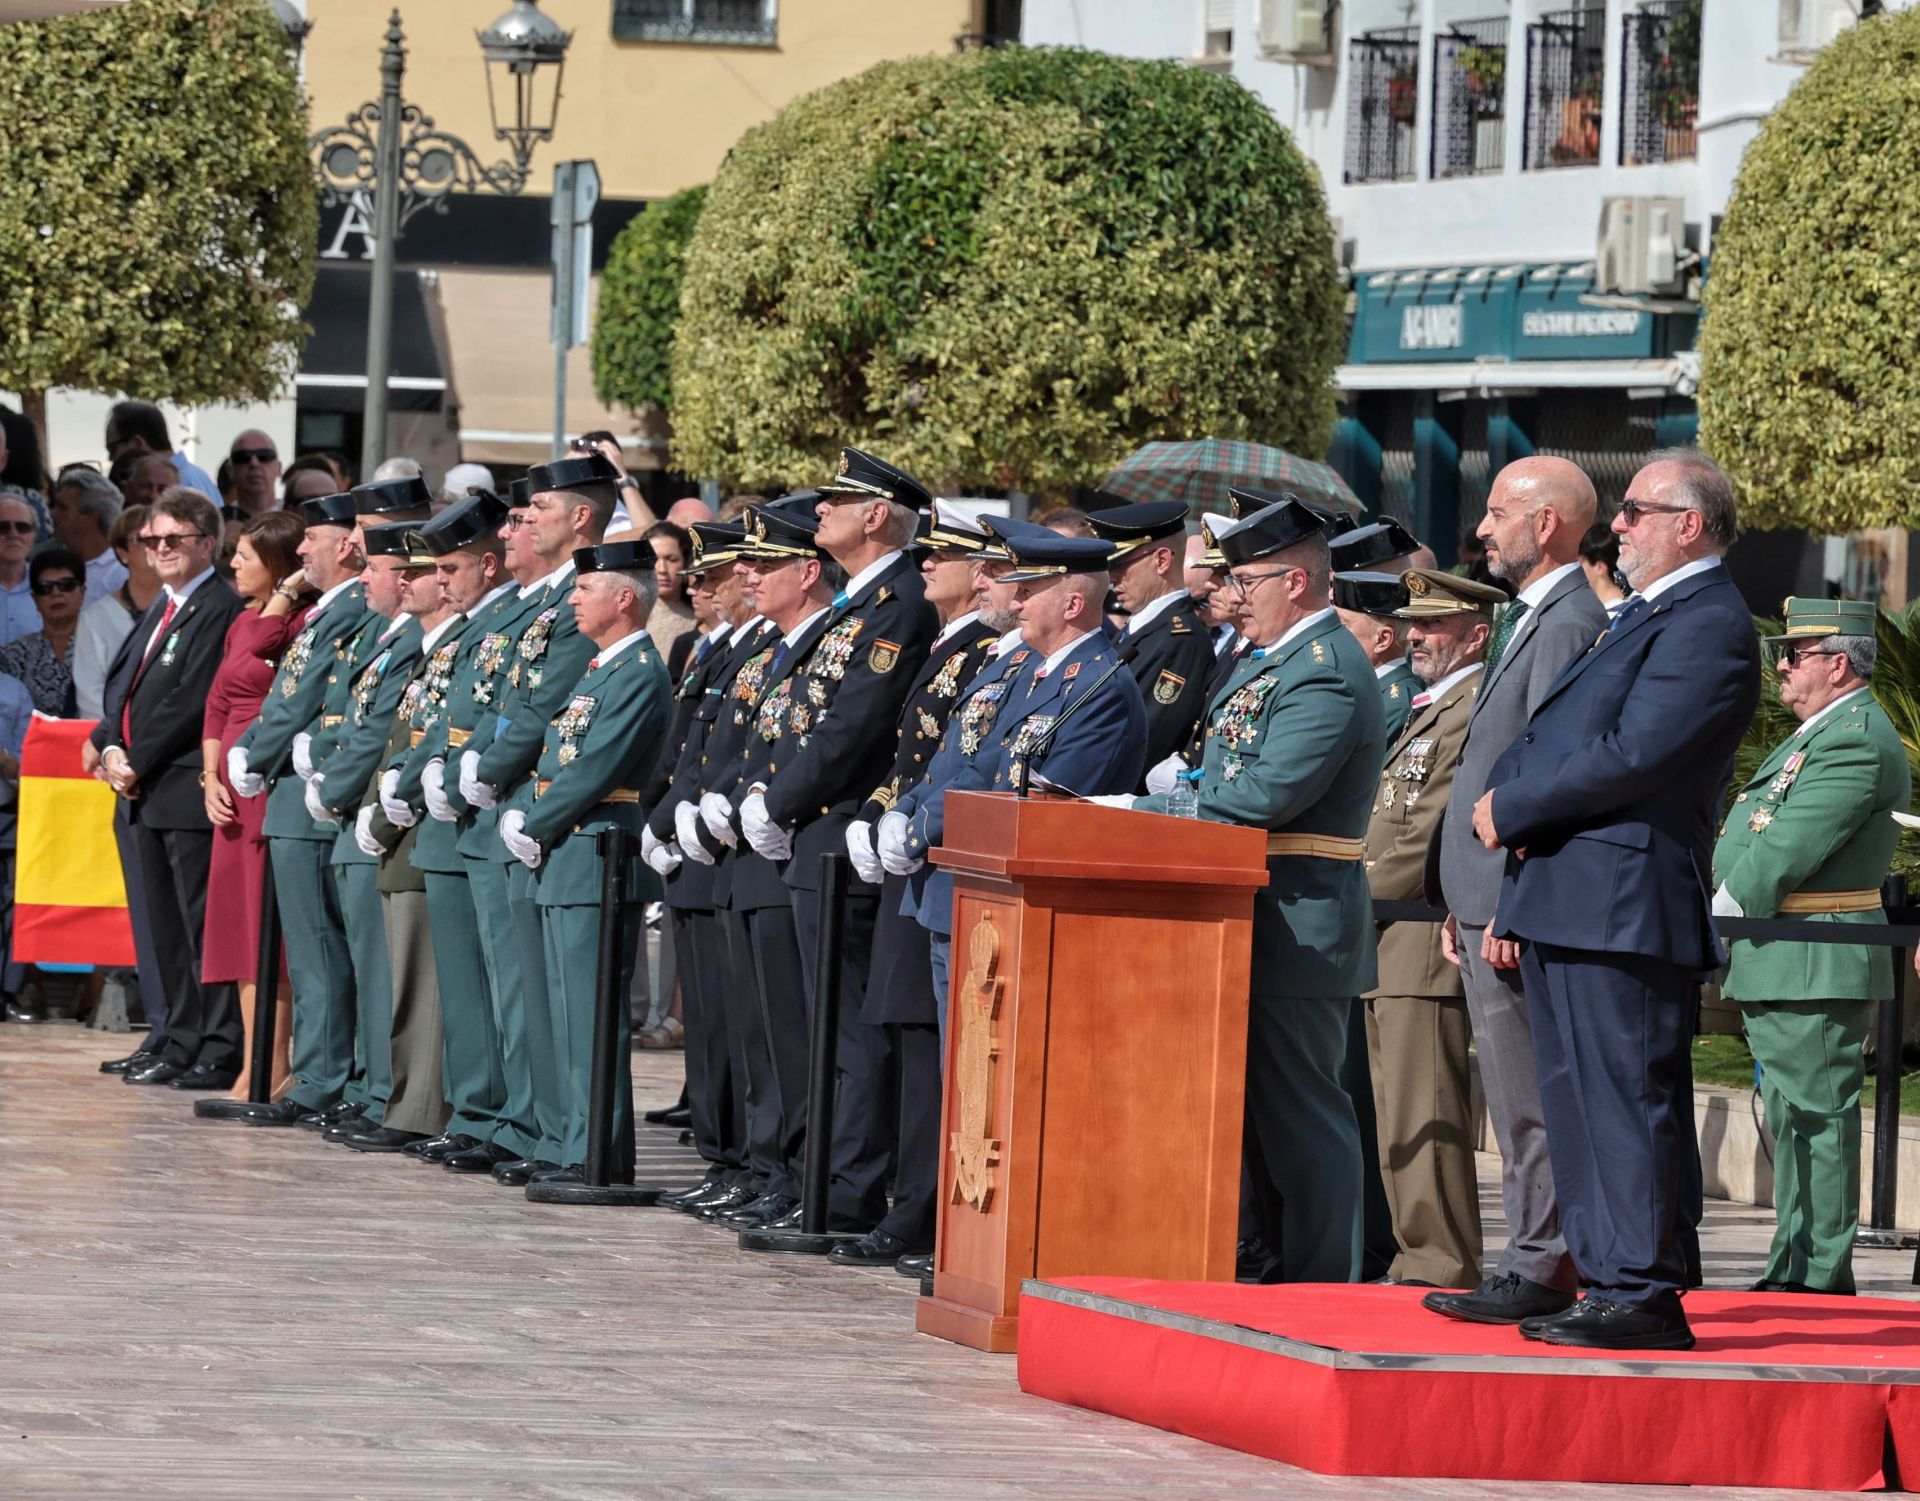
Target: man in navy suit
1607, 805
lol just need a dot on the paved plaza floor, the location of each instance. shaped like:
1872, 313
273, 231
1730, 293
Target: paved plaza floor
190, 1309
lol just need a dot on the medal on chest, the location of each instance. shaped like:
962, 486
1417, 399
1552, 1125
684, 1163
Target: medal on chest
772, 715
170, 650
571, 724
368, 684
946, 682
977, 715
295, 662
1788, 771
831, 656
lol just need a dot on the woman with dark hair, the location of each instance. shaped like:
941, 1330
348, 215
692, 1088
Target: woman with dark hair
266, 574
23, 472
671, 623
44, 660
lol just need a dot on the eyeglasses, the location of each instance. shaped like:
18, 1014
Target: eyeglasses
55, 586
514, 523
253, 456
18, 528
1632, 510
1791, 656
161, 541
1241, 584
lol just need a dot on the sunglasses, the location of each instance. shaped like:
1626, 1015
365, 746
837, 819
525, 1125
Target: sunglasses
159, 541
253, 456
1792, 656
55, 586
1632, 510
18, 528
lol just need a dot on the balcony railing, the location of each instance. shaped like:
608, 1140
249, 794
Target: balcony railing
736, 23
1566, 82
1470, 98
1383, 95
1661, 58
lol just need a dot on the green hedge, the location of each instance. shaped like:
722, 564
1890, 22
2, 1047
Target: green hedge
640, 303
1006, 268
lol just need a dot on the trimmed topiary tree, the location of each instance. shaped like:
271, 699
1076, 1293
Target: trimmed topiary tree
1809, 373
157, 232
640, 303
1006, 268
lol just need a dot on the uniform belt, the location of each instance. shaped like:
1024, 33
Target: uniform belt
618, 795
328, 721
1321, 846
458, 738
1831, 901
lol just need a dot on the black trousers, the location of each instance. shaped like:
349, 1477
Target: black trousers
153, 989
712, 1099
777, 1138
203, 1021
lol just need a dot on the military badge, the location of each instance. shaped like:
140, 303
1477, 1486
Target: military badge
1072, 672
802, 720
573, 720
1167, 687
367, 685
772, 714
1032, 731
295, 662
831, 656
1319, 652
1788, 772
816, 692
977, 716
411, 699
946, 682
1239, 717
170, 650
533, 641
1761, 818
884, 656
929, 726
492, 655
565, 755
746, 682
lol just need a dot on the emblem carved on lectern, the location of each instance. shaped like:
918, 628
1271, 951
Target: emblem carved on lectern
975, 1149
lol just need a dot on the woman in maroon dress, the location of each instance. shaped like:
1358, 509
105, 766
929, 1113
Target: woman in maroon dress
266, 574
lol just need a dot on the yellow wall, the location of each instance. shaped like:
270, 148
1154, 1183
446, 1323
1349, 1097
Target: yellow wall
655, 116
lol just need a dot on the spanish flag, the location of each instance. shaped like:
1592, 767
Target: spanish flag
69, 902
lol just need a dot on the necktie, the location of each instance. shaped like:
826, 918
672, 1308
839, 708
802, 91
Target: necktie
1633, 610
126, 707
1503, 630
700, 651
779, 660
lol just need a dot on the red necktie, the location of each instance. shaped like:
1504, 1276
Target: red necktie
126, 708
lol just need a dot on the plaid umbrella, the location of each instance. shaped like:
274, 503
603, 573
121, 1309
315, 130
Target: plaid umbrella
1199, 471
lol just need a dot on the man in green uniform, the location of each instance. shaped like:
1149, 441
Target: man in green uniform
1809, 838
1369, 605
598, 751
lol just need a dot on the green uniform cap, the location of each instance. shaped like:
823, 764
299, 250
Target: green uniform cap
1431, 592
1808, 617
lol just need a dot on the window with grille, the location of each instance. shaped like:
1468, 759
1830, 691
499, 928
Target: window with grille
1470, 97
1566, 87
1383, 96
739, 23
1661, 57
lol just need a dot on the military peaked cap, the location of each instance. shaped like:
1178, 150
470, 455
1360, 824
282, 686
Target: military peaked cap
621, 555
1270, 530
1050, 555
576, 472
1807, 618
1367, 546
1432, 592
876, 479
1369, 593
394, 497
714, 543
398, 539
1132, 527
328, 510
772, 534
465, 522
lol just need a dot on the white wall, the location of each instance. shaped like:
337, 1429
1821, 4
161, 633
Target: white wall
77, 422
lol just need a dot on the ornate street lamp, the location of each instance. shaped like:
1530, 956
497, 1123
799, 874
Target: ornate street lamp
294, 24
394, 153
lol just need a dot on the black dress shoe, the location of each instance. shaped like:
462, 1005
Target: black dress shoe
383, 1139
439, 1148
681, 1198
875, 1248
285, 1113
204, 1076
1764, 1286
673, 1115
717, 1199
574, 1174
913, 1264
518, 1172
1392, 1281
1252, 1261
19, 1013
1504, 1299
158, 1072
130, 1063
761, 1213
1601, 1324
481, 1157
351, 1125
837, 1224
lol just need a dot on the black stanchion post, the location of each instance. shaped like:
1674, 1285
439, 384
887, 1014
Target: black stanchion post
616, 849
813, 1237
1879, 1231
266, 1008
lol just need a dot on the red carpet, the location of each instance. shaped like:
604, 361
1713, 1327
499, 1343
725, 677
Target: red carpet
1807, 1392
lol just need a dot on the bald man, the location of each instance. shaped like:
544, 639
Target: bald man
255, 466
686, 512
1537, 513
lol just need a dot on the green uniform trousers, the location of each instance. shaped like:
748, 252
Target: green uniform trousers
418, 1102
549, 1091
475, 1084
372, 1084
572, 938
320, 968
519, 1128
1812, 1057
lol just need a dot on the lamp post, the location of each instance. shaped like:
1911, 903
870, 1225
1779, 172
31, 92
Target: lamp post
394, 153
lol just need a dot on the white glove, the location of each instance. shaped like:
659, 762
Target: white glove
662, 855
866, 859
303, 755
766, 836
363, 833
1724, 904
320, 811
399, 813
1161, 778
525, 850
244, 781
715, 813
1114, 800
433, 786
686, 824
890, 838
472, 788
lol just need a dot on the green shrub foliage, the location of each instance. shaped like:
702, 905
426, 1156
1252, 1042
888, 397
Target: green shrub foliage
1006, 268
640, 303
1810, 373
157, 232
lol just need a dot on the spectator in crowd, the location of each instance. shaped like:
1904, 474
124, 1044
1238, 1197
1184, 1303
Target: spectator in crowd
223, 480
85, 505
398, 467
18, 617
1600, 561
104, 623
731, 509
686, 512
141, 427
1068, 521
342, 471
671, 623
22, 471
43, 659
256, 471
464, 477
267, 577
307, 478
151, 476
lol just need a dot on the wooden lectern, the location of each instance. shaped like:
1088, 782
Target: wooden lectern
1096, 1052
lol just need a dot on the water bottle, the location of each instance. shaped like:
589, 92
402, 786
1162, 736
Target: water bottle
1184, 800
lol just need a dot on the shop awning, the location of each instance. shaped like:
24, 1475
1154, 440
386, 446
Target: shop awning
1518, 375
333, 367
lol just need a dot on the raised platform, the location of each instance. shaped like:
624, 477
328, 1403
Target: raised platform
1806, 1392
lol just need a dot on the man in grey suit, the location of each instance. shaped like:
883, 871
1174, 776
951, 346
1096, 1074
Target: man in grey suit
1536, 515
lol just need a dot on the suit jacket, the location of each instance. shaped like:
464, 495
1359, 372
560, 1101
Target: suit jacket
1813, 818
1294, 746
1564, 626
1614, 788
1406, 815
1171, 658
165, 701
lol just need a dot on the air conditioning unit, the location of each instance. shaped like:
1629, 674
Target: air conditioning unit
1297, 30
1643, 246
